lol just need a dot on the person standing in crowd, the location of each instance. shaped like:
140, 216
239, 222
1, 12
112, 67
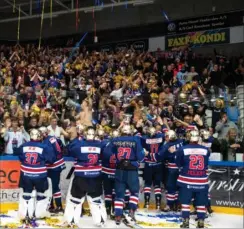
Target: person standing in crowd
129, 153
33, 156
193, 178
231, 144
153, 142
55, 169
14, 137
224, 125
56, 131
87, 181
108, 170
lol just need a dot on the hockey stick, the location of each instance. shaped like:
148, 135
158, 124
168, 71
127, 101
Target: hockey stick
70, 173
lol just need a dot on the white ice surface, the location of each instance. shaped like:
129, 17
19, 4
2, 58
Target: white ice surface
168, 220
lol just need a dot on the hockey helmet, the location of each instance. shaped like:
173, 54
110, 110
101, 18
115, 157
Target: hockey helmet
194, 136
35, 135
115, 134
205, 134
182, 97
126, 129
43, 130
90, 133
152, 131
171, 135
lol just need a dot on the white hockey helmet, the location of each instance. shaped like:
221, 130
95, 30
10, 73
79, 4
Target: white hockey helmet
90, 133
152, 131
126, 129
171, 135
35, 135
43, 130
194, 136
205, 134
115, 134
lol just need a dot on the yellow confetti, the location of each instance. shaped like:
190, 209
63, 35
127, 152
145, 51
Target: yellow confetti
11, 225
158, 224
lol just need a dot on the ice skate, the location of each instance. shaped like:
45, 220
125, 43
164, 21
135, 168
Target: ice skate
57, 211
168, 208
185, 223
130, 219
117, 221
200, 223
26, 223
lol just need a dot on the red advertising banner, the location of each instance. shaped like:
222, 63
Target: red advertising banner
9, 174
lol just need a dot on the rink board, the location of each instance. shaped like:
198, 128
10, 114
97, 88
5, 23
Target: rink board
226, 185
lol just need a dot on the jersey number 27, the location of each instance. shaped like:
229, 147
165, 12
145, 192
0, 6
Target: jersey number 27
124, 153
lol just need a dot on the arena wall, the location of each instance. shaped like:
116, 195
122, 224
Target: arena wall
226, 185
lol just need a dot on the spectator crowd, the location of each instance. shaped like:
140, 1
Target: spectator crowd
174, 89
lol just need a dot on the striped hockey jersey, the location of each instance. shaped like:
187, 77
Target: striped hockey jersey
108, 162
52, 142
128, 148
168, 156
88, 155
33, 157
153, 145
193, 161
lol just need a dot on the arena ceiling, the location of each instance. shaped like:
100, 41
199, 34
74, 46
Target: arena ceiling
9, 9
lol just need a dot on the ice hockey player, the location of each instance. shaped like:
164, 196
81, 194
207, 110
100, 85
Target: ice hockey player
36, 188
152, 142
108, 171
55, 169
193, 179
168, 154
87, 181
213, 145
128, 153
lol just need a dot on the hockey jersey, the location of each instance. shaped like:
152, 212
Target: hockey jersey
193, 161
53, 143
129, 148
33, 157
153, 145
164, 154
108, 161
87, 155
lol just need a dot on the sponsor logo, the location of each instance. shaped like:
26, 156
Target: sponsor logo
140, 45
121, 46
199, 38
171, 27
9, 174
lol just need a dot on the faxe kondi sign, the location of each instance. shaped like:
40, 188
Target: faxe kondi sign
197, 39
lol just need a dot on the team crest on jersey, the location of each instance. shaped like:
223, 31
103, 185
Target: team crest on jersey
154, 141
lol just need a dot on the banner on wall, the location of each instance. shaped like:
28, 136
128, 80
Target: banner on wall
206, 22
227, 186
9, 174
198, 39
